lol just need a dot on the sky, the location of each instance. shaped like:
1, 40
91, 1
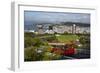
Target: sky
40, 17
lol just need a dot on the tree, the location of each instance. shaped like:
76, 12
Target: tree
50, 27
65, 32
85, 41
28, 41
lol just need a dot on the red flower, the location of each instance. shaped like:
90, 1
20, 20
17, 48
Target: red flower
69, 51
57, 51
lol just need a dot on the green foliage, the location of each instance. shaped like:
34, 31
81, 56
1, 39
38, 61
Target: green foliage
50, 27
28, 41
51, 56
55, 33
32, 41
65, 32
29, 34
37, 42
37, 47
85, 41
51, 38
36, 53
29, 54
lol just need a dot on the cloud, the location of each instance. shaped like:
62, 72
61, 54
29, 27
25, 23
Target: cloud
55, 17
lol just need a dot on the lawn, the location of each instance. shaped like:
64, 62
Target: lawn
66, 38
63, 38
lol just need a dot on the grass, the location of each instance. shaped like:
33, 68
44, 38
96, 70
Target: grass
66, 38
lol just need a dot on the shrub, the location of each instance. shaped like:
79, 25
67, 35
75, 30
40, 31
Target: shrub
85, 41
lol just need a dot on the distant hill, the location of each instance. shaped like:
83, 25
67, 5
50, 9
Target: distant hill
30, 26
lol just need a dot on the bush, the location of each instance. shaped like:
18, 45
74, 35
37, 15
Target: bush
29, 34
29, 54
65, 32
51, 39
51, 56
28, 41
35, 49
85, 41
